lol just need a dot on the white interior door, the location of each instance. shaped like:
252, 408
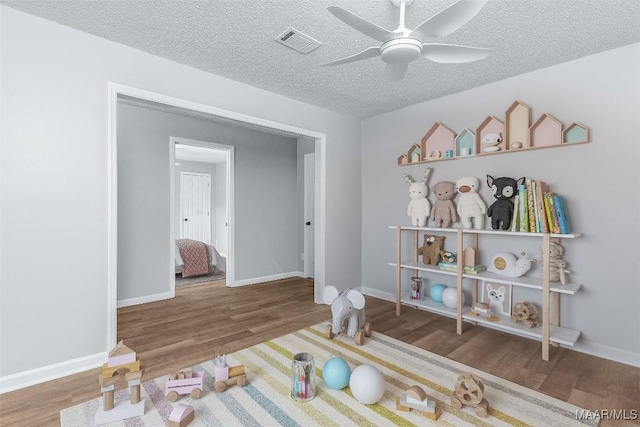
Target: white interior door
195, 206
309, 209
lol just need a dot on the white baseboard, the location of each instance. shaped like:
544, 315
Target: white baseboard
145, 299
255, 280
583, 346
51, 372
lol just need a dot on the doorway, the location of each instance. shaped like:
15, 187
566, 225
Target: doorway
185, 155
117, 90
309, 213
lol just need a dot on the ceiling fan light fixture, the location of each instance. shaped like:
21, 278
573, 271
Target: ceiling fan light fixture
401, 51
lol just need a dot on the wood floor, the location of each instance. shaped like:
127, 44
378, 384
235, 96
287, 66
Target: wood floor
208, 319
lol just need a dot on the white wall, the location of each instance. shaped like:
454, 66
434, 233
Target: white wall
600, 181
54, 183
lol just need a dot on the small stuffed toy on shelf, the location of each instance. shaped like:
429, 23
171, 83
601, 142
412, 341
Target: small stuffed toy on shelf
419, 206
444, 211
557, 263
470, 204
501, 211
431, 249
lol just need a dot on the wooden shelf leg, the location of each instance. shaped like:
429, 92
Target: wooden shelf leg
398, 269
545, 296
459, 284
555, 308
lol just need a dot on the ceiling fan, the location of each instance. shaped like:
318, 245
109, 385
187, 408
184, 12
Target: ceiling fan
403, 45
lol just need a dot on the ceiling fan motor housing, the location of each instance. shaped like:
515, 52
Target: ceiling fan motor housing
401, 50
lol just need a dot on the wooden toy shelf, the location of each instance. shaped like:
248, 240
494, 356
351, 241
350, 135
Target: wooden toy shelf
550, 332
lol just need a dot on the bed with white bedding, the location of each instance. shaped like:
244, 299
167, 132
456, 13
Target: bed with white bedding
217, 263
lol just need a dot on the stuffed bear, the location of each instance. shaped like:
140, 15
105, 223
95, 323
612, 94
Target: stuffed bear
557, 264
419, 206
470, 204
431, 248
501, 211
444, 211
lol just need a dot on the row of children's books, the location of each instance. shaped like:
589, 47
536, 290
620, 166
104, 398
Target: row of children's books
537, 210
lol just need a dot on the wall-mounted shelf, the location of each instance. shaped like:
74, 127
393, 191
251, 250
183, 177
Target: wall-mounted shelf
515, 134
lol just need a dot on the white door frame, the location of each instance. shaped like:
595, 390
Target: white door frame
230, 212
308, 261
113, 91
182, 215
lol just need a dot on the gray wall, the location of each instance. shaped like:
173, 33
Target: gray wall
198, 167
265, 197
599, 180
54, 183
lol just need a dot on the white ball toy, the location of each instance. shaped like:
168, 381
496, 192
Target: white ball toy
367, 384
450, 298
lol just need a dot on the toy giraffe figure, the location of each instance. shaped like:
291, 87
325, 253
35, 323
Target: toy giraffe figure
419, 206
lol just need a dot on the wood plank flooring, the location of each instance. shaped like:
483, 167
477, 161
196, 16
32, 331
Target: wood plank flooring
208, 319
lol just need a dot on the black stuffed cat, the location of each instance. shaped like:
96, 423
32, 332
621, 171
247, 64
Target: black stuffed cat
501, 211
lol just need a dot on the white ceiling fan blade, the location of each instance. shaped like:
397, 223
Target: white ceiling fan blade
453, 54
448, 20
369, 52
365, 27
396, 72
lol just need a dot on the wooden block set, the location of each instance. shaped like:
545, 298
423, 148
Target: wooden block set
124, 364
416, 398
483, 309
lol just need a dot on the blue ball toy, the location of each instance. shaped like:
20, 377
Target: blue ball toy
436, 292
336, 373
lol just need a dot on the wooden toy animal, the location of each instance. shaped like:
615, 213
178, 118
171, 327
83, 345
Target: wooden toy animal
346, 307
525, 312
419, 206
506, 264
469, 390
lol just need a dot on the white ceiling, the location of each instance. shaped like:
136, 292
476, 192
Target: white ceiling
235, 39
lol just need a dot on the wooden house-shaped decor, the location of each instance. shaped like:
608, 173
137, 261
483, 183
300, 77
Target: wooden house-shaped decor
575, 133
414, 154
403, 159
490, 136
438, 142
465, 143
517, 120
545, 132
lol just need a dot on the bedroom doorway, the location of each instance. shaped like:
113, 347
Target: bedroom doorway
205, 206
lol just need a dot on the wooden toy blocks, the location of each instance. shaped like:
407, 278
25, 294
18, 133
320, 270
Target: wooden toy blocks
415, 398
181, 416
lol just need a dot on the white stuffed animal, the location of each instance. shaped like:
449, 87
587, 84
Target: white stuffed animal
470, 204
419, 206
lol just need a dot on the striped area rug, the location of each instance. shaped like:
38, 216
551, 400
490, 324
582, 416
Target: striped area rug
266, 401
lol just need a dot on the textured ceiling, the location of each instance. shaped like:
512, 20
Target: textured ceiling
235, 39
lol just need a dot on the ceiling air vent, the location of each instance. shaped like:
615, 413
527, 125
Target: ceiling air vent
297, 40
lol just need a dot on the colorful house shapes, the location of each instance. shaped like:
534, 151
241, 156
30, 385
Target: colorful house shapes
490, 136
545, 132
403, 160
438, 143
414, 154
517, 120
465, 143
575, 133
